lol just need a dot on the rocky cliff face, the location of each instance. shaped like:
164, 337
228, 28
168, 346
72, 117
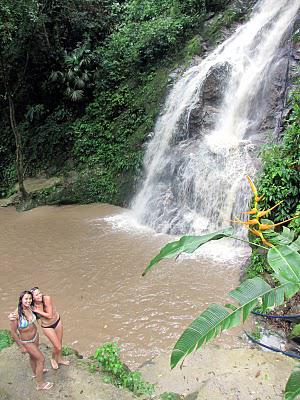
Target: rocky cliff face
272, 98
281, 81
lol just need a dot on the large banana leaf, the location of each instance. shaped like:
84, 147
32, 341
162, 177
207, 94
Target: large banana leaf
187, 244
285, 237
292, 389
216, 318
295, 333
285, 263
296, 244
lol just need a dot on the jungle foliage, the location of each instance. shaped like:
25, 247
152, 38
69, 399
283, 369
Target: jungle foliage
87, 78
280, 177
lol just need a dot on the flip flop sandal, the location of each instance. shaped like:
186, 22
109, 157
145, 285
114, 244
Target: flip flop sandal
46, 386
64, 362
54, 364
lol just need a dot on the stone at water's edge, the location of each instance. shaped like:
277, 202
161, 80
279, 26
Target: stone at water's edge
71, 383
31, 185
216, 373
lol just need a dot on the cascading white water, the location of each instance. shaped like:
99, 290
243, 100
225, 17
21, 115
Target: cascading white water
194, 175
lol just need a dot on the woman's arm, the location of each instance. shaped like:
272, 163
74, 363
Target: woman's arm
13, 316
14, 334
48, 306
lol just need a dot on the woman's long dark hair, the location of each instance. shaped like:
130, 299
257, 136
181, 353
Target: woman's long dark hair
20, 306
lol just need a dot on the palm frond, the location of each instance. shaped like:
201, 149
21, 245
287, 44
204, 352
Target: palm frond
216, 318
187, 244
74, 94
79, 83
70, 74
55, 75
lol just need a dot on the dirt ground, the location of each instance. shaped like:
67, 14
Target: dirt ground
214, 373
74, 382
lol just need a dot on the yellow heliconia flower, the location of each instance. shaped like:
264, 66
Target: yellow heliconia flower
251, 212
264, 227
258, 214
262, 213
259, 198
249, 222
257, 233
254, 190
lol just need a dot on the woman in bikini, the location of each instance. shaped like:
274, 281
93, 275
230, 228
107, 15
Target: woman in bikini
25, 334
51, 324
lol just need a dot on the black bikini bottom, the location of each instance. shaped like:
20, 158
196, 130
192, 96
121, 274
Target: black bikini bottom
53, 326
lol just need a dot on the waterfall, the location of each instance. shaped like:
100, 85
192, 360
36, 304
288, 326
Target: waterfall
214, 119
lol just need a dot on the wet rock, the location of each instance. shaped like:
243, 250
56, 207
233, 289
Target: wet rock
205, 111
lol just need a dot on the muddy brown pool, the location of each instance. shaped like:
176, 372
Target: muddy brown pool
92, 268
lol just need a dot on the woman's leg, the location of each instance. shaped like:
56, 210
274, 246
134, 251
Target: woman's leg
52, 336
33, 360
59, 332
32, 364
38, 359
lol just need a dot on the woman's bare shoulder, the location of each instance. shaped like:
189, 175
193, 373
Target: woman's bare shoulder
47, 299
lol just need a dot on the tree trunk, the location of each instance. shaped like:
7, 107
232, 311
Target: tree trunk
19, 154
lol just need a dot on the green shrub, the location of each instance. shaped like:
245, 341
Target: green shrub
5, 339
258, 265
108, 357
68, 351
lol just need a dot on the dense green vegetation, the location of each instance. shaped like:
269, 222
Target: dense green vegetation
5, 339
84, 80
280, 179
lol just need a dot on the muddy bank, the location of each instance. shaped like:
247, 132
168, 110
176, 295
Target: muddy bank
216, 373
74, 382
